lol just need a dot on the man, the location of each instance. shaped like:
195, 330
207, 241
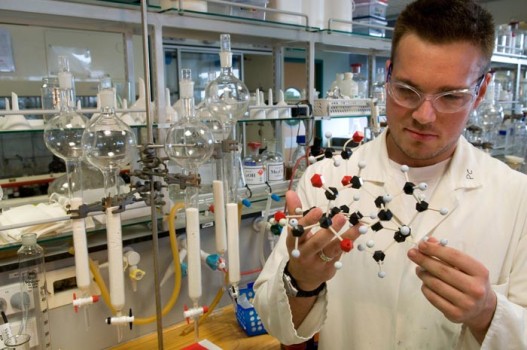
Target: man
468, 294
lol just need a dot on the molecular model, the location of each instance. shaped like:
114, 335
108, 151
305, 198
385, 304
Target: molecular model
383, 219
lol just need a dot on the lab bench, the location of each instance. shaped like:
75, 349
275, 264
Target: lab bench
220, 328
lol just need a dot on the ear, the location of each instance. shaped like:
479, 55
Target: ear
386, 68
482, 89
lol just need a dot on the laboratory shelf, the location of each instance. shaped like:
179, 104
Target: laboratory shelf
57, 245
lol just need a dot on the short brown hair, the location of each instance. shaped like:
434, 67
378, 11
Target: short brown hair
447, 21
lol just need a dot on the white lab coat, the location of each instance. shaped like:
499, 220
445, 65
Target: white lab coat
487, 219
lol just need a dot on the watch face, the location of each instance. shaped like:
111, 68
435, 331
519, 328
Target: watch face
289, 289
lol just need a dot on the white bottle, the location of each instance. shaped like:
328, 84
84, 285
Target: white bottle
339, 77
341, 10
314, 9
286, 5
349, 88
191, 5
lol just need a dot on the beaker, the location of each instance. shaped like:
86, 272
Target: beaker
18, 342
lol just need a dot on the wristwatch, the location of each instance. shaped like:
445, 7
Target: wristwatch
292, 289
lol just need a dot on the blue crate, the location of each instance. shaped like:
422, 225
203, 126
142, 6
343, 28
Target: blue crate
247, 317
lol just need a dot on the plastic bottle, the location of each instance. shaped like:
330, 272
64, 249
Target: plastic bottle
348, 87
361, 81
32, 275
341, 10
286, 5
314, 9
378, 90
253, 165
339, 77
274, 163
298, 163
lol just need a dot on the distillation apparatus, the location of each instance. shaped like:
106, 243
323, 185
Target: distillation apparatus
108, 143
190, 143
63, 137
227, 98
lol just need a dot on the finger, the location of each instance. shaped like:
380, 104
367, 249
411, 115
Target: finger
450, 310
438, 268
451, 256
292, 201
329, 228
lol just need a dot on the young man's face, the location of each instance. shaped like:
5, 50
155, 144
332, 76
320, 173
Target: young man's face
422, 135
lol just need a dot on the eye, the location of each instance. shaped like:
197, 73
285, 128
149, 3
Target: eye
454, 97
405, 92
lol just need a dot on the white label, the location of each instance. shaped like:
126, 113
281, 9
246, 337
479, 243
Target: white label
275, 171
254, 175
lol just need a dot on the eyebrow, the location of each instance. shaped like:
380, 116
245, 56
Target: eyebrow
478, 82
440, 90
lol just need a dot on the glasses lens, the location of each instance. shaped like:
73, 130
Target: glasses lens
404, 95
453, 101
448, 102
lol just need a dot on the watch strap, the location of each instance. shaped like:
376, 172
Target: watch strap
300, 292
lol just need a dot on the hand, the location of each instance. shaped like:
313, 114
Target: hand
309, 270
456, 284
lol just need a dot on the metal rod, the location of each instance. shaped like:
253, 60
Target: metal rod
150, 138
56, 111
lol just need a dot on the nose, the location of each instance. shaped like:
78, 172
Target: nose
425, 112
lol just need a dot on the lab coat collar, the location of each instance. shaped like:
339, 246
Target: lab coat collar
463, 171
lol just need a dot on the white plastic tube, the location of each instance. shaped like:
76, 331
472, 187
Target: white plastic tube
82, 267
115, 258
233, 249
194, 254
219, 216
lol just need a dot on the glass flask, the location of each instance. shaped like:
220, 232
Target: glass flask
63, 132
253, 165
108, 142
378, 89
298, 163
274, 163
189, 142
227, 97
361, 81
490, 116
32, 276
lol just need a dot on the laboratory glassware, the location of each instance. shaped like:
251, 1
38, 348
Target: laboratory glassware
227, 97
107, 141
189, 142
274, 163
63, 132
32, 276
253, 165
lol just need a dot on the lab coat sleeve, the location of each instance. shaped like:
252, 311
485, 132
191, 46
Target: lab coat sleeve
272, 304
508, 329
271, 301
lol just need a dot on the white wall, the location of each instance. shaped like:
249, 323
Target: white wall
35, 51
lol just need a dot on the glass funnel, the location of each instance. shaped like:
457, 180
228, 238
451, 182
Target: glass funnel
108, 142
227, 97
189, 142
63, 132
